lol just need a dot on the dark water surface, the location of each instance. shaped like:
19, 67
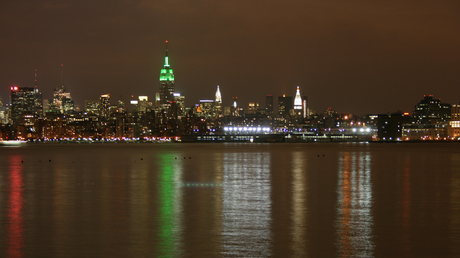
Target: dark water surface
230, 200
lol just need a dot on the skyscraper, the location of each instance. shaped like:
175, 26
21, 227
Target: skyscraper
298, 103
284, 105
218, 101
62, 102
22, 103
105, 106
269, 104
166, 81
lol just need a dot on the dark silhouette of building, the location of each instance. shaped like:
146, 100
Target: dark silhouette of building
285, 104
269, 104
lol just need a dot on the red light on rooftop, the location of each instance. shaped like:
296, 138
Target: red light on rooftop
406, 113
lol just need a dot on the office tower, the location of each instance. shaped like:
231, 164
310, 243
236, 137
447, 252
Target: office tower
121, 105
62, 101
104, 106
142, 103
92, 106
253, 108
166, 81
180, 103
22, 103
269, 104
285, 104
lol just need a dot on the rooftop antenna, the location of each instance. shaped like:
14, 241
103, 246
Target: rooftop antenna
62, 77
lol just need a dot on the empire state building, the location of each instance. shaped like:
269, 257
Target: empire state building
166, 81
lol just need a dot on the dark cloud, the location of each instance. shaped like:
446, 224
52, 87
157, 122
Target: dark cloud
354, 56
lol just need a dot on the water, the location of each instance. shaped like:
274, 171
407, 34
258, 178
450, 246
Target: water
230, 200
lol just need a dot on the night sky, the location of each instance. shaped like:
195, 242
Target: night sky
356, 56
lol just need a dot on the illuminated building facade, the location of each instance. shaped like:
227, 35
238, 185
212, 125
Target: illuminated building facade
454, 124
253, 108
62, 101
298, 105
23, 103
104, 107
92, 106
166, 82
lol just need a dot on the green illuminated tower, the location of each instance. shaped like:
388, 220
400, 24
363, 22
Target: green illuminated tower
166, 81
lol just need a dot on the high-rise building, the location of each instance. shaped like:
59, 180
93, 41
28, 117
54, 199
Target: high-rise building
298, 107
180, 103
269, 104
285, 104
253, 107
143, 103
62, 102
22, 103
92, 106
166, 81
218, 101
104, 107
38, 102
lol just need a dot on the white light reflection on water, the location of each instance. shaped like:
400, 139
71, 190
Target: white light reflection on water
354, 208
299, 204
246, 207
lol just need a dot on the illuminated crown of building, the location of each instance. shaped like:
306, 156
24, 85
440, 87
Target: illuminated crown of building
218, 96
166, 73
298, 100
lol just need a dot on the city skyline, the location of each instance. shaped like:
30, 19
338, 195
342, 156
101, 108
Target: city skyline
356, 58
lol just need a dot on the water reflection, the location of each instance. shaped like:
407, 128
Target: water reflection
299, 205
406, 204
15, 236
246, 212
455, 204
170, 194
354, 208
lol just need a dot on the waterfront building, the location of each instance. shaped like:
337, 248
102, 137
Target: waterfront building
390, 126
454, 124
431, 120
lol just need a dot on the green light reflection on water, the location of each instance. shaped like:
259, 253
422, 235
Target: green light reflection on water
170, 208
